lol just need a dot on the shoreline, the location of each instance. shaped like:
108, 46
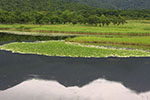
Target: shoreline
109, 57
42, 54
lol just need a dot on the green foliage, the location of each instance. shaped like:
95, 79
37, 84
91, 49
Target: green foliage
39, 5
51, 5
104, 20
60, 48
66, 16
132, 27
93, 20
117, 4
121, 20
66, 11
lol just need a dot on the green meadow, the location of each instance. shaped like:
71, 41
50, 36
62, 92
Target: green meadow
60, 48
131, 27
133, 40
139, 42
143, 40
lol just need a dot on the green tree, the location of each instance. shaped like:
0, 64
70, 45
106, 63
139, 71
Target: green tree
104, 20
81, 19
93, 20
55, 19
44, 20
121, 20
67, 16
114, 20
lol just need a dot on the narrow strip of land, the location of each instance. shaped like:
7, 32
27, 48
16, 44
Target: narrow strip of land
132, 41
131, 28
60, 48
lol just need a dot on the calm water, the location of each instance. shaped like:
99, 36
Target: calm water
33, 77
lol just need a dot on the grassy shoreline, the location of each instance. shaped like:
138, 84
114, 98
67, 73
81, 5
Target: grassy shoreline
60, 48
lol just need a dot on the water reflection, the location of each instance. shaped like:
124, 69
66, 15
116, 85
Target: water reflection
6, 37
99, 89
131, 73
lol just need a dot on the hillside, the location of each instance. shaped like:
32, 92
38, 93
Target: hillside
117, 4
40, 5
51, 5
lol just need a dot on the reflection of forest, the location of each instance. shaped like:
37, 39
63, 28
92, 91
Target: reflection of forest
6, 37
133, 73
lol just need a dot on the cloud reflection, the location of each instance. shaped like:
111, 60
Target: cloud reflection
99, 89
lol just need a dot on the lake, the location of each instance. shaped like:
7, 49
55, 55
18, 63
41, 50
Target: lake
35, 77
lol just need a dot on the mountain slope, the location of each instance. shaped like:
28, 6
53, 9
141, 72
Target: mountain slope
40, 5
117, 4
51, 5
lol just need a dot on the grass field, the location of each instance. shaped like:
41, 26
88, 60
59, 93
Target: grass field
132, 27
100, 36
60, 48
140, 42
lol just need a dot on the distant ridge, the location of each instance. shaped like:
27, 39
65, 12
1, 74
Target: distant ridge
40, 5
51, 5
117, 4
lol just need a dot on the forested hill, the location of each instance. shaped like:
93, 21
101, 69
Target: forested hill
51, 5
40, 5
62, 12
117, 4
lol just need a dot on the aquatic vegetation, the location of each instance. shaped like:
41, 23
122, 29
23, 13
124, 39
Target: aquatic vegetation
60, 48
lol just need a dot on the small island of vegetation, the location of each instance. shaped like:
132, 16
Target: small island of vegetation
60, 48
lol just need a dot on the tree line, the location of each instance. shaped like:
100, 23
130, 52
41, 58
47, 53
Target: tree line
96, 17
60, 17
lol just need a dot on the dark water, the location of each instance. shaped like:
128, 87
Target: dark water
33, 77
6, 37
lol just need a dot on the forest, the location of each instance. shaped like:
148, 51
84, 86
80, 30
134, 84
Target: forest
27, 5
64, 12
90, 16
